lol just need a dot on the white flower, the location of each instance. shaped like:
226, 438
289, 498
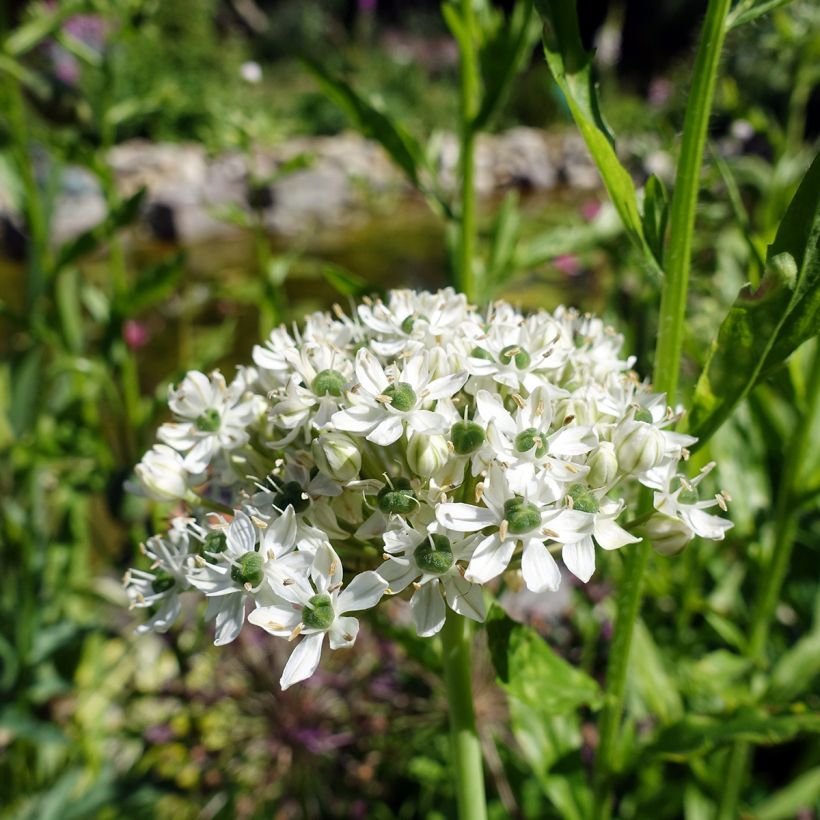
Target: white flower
516, 520
162, 474
212, 418
315, 606
385, 404
429, 560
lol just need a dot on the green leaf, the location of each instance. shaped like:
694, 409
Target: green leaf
571, 66
28, 36
503, 239
648, 678
123, 214
797, 669
403, 148
800, 795
531, 672
345, 282
764, 327
502, 57
655, 216
153, 284
747, 12
698, 734
25, 381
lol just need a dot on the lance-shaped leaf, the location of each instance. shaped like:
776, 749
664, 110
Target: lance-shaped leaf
571, 66
764, 327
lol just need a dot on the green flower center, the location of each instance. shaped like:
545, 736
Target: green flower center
686, 495
434, 554
481, 353
209, 421
163, 581
291, 495
583, 499
467, 437
521, 515
318, 614
248, 569
529, 438
328, 382
409, 323
518, 355
215, 542
643, 415
402, 396
399, 498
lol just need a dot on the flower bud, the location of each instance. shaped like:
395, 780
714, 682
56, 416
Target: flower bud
639, 446
667, 534
162, 474
583, 412
603, 465
426, 455
338, 456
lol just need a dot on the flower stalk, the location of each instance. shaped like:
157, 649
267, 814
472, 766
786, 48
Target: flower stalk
666, 370
466, 748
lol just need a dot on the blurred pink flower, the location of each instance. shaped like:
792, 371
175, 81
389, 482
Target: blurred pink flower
136, 334
590, 209
567, 263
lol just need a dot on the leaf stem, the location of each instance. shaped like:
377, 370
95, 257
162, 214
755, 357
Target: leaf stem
666, 371
466, 748
466, 279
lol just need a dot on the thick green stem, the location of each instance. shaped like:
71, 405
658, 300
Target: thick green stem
666, 371
774, 572
466, 749
469, 91
684, 201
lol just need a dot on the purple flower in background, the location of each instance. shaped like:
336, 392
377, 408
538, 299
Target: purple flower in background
89, 29
136, 334
590, 209
568, 264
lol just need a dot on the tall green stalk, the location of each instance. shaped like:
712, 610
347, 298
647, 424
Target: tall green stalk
773, 573
470, 100
466, 748
666, 371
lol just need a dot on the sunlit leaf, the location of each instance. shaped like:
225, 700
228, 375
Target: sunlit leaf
765, 326
799, 795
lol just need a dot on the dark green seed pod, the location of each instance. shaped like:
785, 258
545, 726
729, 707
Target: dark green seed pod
291, 495
434, 554
583, 499
481, 353
402, 396
467, 437
521, 515
517, 354
318, 614
163, 581
529, 438
215, 542
248, 569
209, 421
398, 499
328, 382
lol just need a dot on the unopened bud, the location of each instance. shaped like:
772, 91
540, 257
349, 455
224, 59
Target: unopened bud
639, 446
667, 534
426, 455
162, 474
338, 456
603, 465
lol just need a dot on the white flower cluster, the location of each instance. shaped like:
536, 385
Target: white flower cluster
427, 444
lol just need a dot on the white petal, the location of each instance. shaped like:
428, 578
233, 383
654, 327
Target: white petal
358, 419
229, 619
428, 610
579, 558
705, 525
241, 534
414, 373
490, 559
303, 660
491, 409
426, 421
465, 517
465, 598
278, 619
539, 568
387, 431
343, 632
281, 533
572, 441
398, 574
363, 592
611, 536
369, 373
446, 386
327, 568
